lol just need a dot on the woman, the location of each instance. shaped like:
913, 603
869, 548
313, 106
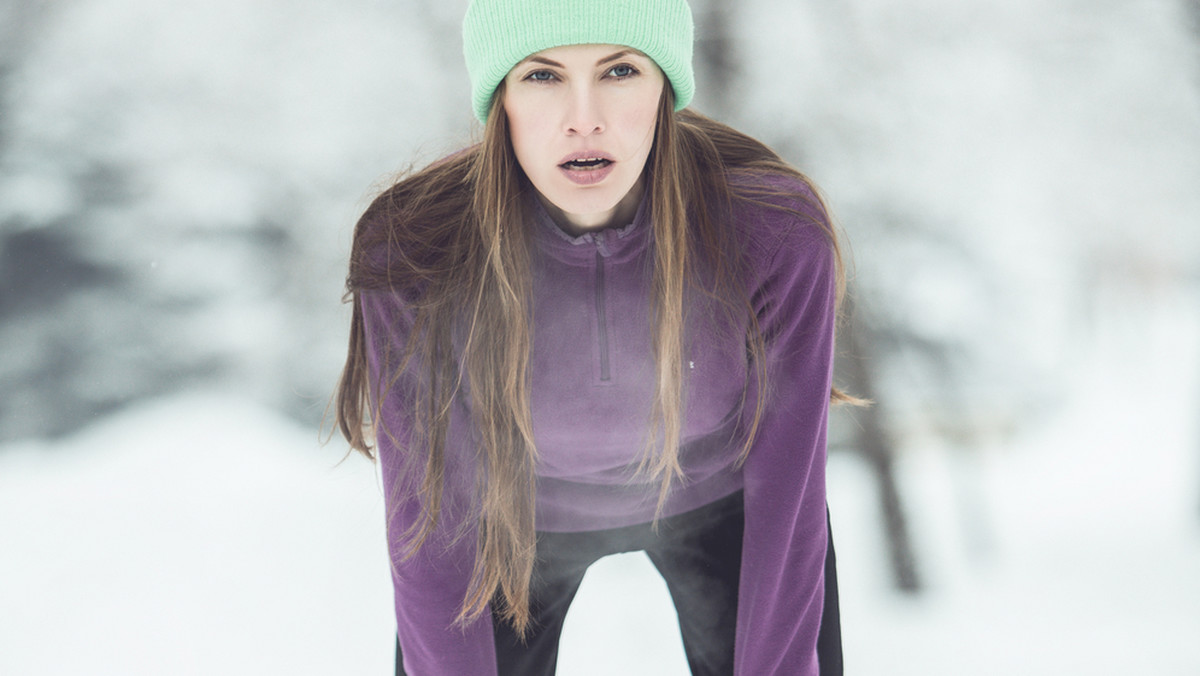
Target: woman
608, 327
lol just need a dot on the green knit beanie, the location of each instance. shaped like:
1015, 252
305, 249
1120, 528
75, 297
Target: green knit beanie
499, 34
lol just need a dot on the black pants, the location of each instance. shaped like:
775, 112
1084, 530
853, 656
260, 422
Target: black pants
698, 553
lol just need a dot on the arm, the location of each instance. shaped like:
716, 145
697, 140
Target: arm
430, 585
782, 579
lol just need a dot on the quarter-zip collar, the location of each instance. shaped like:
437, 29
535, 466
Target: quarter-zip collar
615, 244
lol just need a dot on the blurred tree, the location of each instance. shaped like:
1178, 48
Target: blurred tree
45, 270
716, 26
19, 22
178, 185
1192, 7
872, 438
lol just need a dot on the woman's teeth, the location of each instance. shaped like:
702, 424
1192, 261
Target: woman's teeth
593, 163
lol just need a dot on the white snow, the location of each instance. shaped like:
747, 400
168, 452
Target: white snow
198, 534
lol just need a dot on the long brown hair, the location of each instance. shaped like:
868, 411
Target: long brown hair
452, 241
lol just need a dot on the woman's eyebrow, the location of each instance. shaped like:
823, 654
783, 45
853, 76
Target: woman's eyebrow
544, 60
614, 57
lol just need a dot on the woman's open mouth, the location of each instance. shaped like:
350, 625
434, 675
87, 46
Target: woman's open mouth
587, 170
587, 164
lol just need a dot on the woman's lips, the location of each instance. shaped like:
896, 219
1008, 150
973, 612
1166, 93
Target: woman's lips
587, 168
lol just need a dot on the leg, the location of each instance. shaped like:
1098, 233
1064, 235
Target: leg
562, 560
700, 558
829, 641
537, 654
699, 555
551, 592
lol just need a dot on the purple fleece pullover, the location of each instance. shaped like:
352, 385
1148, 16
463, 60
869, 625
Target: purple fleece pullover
592, 380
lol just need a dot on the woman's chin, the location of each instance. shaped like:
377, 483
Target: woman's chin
592, 207
586, 212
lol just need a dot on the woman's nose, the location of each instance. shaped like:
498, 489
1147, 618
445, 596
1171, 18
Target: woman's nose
583, 116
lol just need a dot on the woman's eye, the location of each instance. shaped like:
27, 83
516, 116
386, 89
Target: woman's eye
540, 76
622, 71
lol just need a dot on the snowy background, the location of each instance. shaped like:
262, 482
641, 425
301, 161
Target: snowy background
1019, 185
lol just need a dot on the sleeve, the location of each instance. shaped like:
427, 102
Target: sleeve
781, 588
429, 585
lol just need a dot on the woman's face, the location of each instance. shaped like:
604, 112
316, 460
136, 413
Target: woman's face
582, 122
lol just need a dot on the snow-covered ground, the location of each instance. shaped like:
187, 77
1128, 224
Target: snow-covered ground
200, 534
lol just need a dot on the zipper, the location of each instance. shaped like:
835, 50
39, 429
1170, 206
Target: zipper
602, 317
